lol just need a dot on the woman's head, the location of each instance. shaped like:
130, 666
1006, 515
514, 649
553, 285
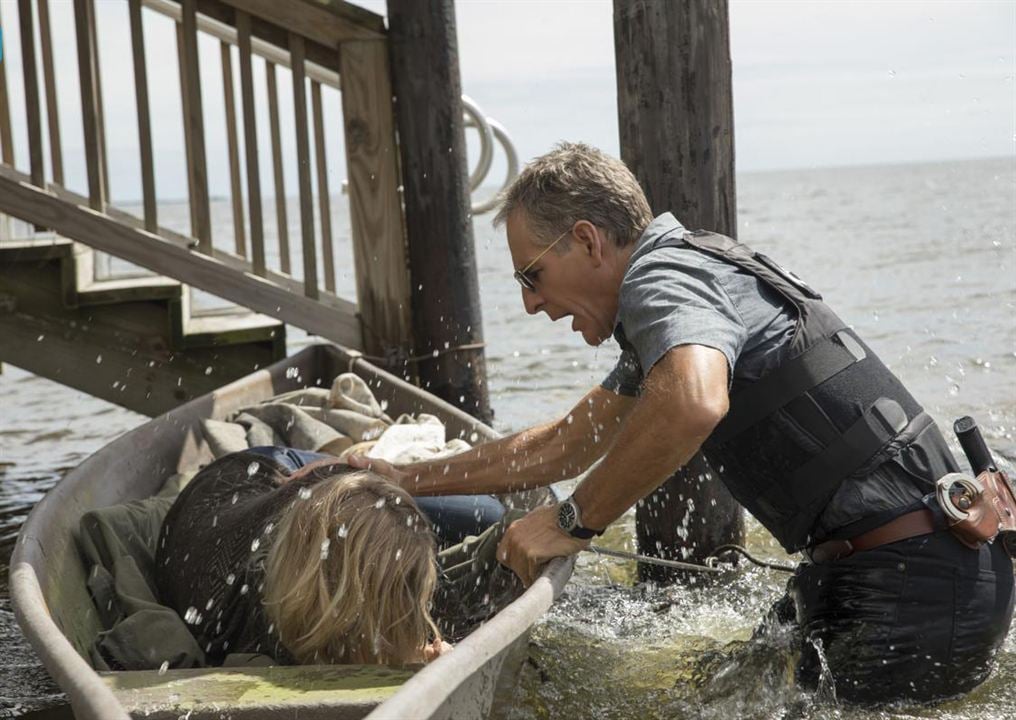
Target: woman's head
351, 572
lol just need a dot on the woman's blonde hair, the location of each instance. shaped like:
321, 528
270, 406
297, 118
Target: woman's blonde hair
350, 574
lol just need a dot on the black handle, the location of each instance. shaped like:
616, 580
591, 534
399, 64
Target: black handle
973, 445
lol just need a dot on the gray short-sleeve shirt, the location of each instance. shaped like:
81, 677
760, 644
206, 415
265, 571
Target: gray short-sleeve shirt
678, 295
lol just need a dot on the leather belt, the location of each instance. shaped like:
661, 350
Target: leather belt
912, 524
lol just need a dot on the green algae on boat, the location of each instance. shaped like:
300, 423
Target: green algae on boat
341, 691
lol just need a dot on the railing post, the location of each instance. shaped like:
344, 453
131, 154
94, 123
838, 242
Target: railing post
144, 117
281, 215
447, 322
297, 57
233, 150
194, 127
49, 81
250, 139
6, 141
32, 112
675, 116
90, 104
324, 202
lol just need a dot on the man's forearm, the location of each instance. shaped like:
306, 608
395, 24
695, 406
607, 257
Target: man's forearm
534, 457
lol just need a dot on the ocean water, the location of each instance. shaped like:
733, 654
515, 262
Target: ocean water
919, 259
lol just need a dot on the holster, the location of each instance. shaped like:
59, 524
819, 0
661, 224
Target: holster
979, 509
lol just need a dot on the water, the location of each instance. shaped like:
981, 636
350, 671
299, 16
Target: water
919, 258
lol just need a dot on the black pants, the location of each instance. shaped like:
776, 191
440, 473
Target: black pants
919, 619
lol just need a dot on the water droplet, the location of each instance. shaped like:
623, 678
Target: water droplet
343, 531
164, 667
325, 546
304, 493
236, 496
292, 372
39, 339
380, 503
398, 553
98, 359
230, 579
192, 617
208, 370
255, 545
252, 468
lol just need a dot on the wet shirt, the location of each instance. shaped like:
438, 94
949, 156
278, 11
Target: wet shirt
678, 295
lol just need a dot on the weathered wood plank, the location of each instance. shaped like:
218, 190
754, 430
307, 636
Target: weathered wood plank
235, 191
6, 137
310, 20
144, 116
33, 113
674, 92
324, 203
281, 219
379, 241
250, 138
49, 81
89, 105
310, 280
442, 256
168, 257
197, 168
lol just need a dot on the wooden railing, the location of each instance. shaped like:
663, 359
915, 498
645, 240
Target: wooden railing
317, 43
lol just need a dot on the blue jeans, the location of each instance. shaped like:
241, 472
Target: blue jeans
454, 516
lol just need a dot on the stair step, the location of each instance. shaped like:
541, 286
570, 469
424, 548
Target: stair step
35, 250
229, 327
138, 289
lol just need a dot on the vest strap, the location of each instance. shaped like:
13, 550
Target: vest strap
791, 379
879, 424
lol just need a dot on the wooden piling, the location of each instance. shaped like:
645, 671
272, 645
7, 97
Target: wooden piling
445, 292
675, 117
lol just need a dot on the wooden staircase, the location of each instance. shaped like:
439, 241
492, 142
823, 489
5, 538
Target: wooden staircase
121, 339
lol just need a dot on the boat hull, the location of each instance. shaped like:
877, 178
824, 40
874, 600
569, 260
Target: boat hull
56, 613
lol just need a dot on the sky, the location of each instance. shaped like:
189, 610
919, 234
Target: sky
816, 84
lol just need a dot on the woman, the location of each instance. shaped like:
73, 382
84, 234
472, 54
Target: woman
324, 565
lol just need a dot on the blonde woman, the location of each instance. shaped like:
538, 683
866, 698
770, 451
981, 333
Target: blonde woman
327, 564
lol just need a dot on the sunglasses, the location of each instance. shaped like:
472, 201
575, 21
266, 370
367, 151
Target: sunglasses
522, 277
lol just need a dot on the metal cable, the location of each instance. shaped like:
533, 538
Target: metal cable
708, 567
725, 549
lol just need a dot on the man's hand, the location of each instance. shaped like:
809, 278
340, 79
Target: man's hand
382, 468
532, 541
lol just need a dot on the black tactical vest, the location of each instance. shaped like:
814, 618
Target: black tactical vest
829, 411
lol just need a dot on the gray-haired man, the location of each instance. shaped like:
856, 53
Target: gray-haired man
723, 349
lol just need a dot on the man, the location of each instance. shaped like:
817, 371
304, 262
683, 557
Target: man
723, 349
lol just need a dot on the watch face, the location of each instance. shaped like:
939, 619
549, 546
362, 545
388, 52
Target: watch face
566, 516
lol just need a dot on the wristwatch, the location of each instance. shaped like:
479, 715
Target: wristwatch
569, 519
